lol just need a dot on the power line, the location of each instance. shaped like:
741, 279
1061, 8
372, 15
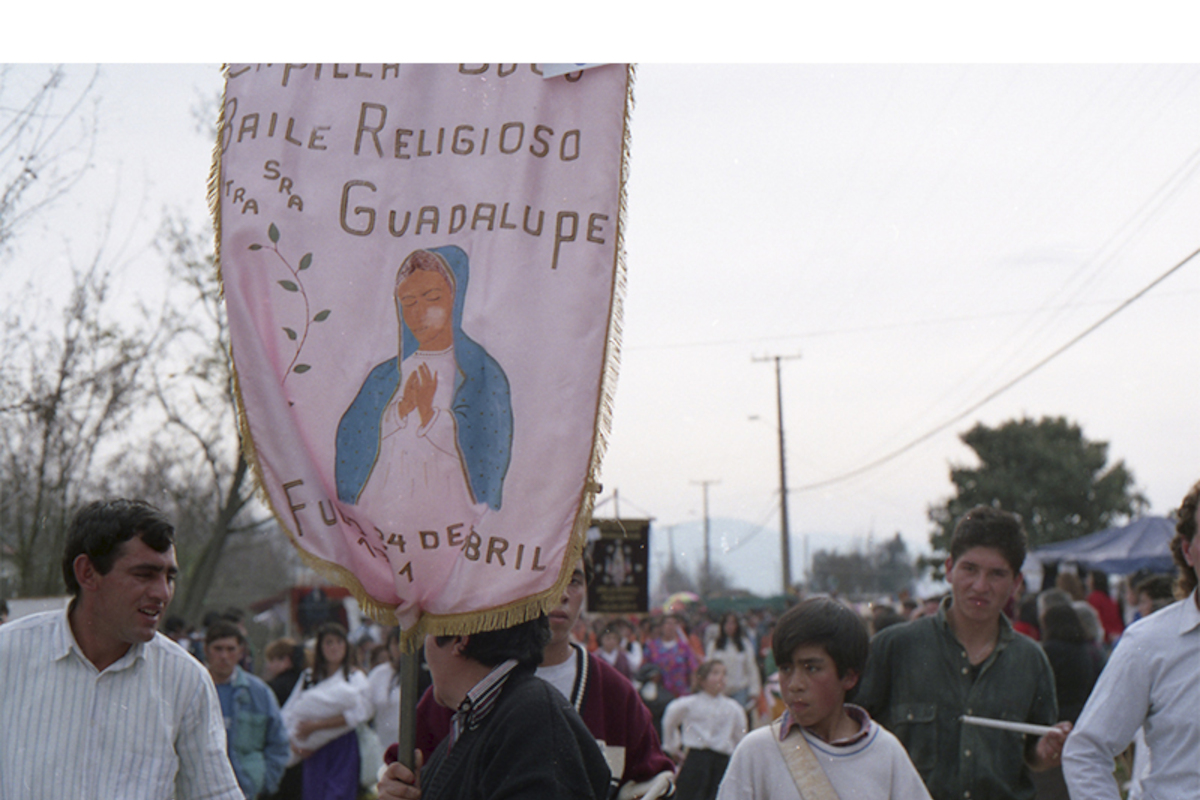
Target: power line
762, 526
872, 328
997, 392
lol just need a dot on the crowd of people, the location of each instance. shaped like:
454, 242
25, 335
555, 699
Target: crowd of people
987, 692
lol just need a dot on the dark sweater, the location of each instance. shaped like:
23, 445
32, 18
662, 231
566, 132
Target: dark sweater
611, 709
1076, 666
532, 745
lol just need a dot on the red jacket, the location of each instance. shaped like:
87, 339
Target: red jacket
1109, 614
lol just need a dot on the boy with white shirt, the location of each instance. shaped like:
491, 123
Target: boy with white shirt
821, 743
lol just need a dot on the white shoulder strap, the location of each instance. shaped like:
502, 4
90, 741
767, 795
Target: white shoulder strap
806, 772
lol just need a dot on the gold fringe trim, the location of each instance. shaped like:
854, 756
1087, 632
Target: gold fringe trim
499, 616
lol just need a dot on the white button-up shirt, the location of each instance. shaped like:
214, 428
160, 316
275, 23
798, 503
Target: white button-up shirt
1152, 681
149, 726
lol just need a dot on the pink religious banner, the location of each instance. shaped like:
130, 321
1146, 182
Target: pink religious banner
422, 267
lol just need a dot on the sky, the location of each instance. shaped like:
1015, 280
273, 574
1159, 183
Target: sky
909, 237
919, 236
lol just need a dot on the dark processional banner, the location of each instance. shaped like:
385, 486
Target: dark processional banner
422, 268
620, 552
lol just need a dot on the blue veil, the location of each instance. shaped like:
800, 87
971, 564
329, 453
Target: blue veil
481, 405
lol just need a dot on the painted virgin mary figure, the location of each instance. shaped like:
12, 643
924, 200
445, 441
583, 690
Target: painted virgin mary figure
428, 438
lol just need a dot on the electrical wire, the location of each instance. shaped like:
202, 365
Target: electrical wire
1001, 390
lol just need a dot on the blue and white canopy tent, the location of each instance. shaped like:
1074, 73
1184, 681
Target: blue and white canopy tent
1144, 544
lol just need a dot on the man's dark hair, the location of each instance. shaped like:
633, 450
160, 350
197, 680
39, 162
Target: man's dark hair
525, 642
824, 622
1185, 532
234, 615
886, 619
101, 528
987, 526
223, 630
1156, 587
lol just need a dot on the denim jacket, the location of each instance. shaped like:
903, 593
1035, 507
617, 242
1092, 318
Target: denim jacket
257, 741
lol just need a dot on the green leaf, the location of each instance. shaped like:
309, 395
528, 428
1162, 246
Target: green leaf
322, 315
273, 232
306, 262
291, 287
302, 368
256, 247
291, 334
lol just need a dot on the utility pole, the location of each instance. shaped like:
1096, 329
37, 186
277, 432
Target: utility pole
705, 580
671, 548
784, 533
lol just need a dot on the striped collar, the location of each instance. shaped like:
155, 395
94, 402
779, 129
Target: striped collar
65, 644
854, 712
480, 701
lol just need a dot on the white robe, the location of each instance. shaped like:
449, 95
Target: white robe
420, 477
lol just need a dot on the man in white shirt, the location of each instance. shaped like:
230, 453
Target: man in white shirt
1152, 682
96, 702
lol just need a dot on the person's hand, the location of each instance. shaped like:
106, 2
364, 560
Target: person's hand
408, 400
424, 390
399, 783
1050, 746
302, 752
305, 728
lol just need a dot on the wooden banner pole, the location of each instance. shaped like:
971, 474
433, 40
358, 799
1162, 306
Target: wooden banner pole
410, 665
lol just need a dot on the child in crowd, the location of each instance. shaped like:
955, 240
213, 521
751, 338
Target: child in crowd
610, 650
821, 746
703, 729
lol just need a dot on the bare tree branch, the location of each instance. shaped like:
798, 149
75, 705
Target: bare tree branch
47, 140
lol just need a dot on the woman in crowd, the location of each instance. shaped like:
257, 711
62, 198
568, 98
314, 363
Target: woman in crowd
1070, 583
1027, 617
733, 648
1076, 661
383, 693
610, 650
674, 657
702, 730
328, 703
1107, 610
286, 661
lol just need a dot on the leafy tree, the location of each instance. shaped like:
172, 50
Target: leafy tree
887, 569
676, 579
1045, 470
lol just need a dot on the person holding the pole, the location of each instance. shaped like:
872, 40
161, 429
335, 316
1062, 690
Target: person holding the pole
512, 734
604, 699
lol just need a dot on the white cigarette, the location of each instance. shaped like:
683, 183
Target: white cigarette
1019, 727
